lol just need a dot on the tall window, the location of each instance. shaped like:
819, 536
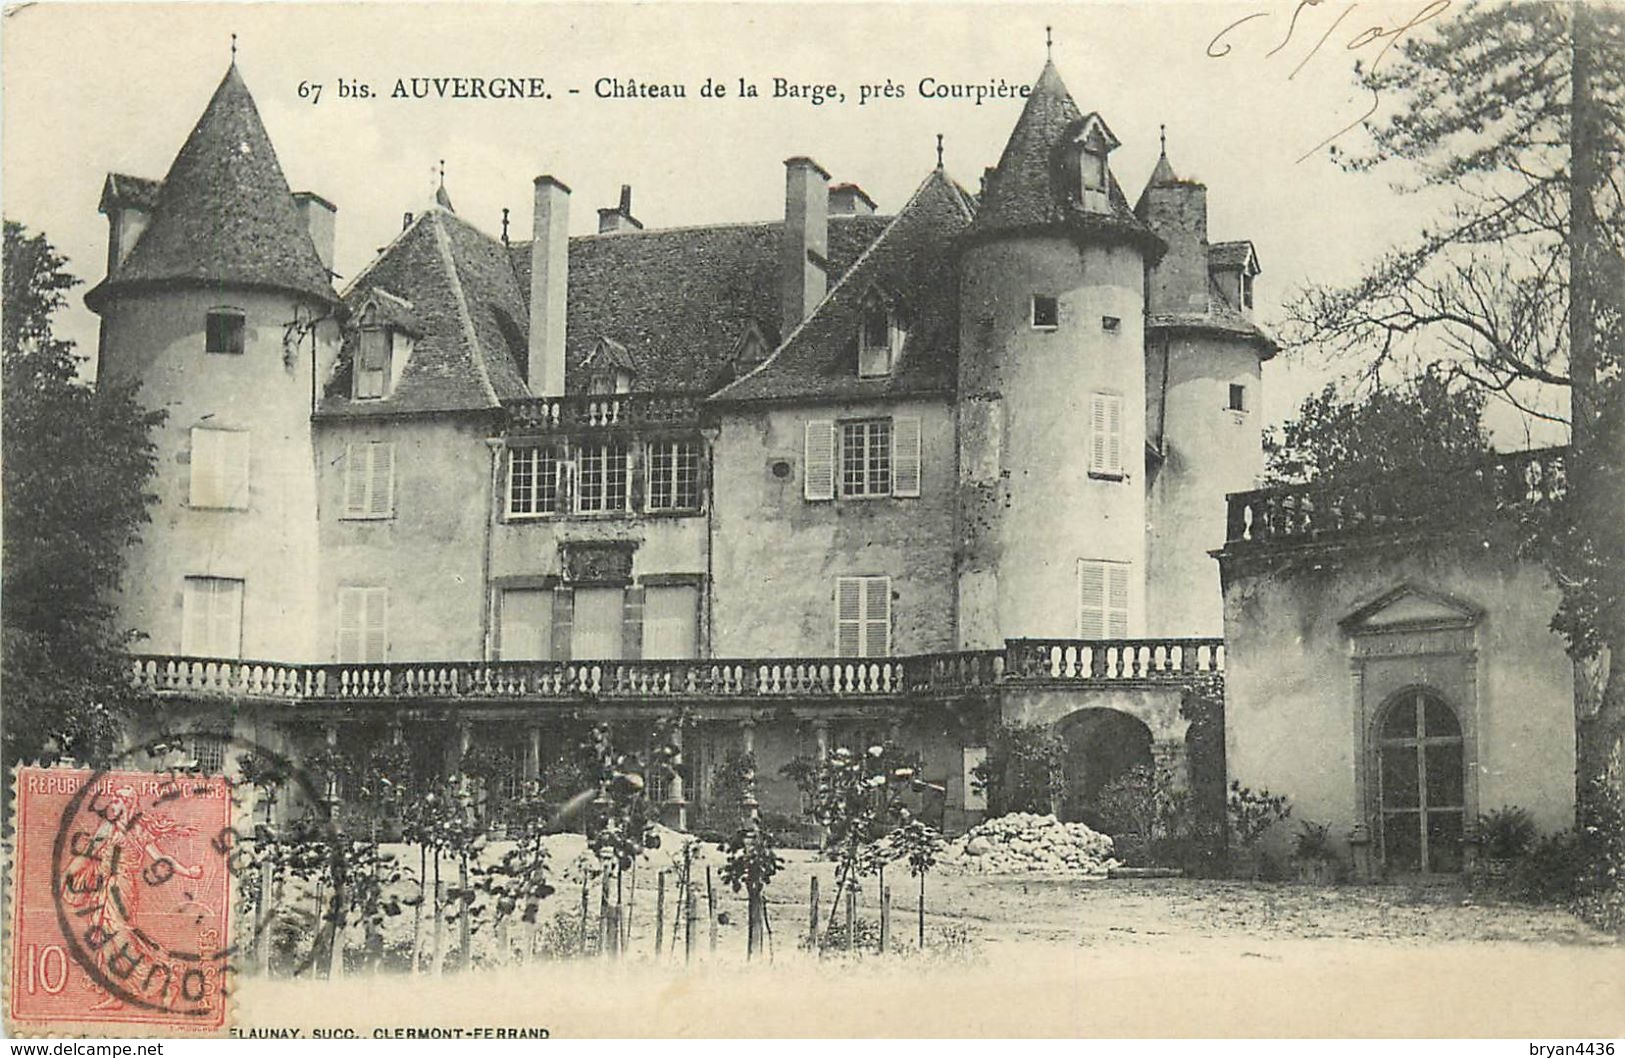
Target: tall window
525, 624
597, 632
1102, 599
1422, 776
1093, 170
212, 617
535, 477
863, 617
223, 331
219, 469
363, 624
1106, 434
866, 458
878, 338
1238, 397
369, 480
1046, 312
671, 621
375, 358
674, 476
603, 478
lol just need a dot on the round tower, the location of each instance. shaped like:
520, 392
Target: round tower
219, 301
1204, 380
1052, 388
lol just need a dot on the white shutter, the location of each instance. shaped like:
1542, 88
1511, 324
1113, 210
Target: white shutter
849, 617
905, 457
1091, 599
671, 622
525, 632
595, 634
352, 617
1097, 432
205, 486
1114, 435
235, 469
1117, 599
877, 617
381, 478
212, 617
355, 480
195, 617
375, 624
818, 464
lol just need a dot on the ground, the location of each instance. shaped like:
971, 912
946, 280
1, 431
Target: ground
1022, 955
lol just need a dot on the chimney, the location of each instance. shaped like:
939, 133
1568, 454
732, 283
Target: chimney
318, 216
803, 260
619, 218
549, 283
849, 200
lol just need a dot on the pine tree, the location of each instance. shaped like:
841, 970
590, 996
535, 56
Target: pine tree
77, 462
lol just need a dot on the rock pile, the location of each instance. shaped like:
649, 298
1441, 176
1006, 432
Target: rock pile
1023, 841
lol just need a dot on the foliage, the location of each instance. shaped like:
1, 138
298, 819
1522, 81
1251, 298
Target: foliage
1506, 833
624, 821
1154, 821
751, 861
918, 844
1312, 842
1583, 868
1251, 814
77, 465
731, 780
1024, 770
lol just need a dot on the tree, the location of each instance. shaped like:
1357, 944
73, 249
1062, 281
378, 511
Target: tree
77, 462
1512, 109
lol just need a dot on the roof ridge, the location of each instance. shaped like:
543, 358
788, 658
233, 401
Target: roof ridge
851, 270
382, 255
470, 335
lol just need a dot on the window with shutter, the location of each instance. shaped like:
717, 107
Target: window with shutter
223, 332
1106, 435
212, 617
369, 480
1103, 599
866, 458
363, 633
219, 469
671, 622
525, 624
596, 633
863, 617
905, 457
819, 461
878, 338
374, 360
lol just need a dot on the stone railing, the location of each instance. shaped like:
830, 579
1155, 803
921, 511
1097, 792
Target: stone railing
597, 411
1466, 495
719, 679
1112, 660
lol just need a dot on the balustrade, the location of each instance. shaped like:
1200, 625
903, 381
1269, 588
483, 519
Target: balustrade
595, 411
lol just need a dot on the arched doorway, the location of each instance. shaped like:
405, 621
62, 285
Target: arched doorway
1100, 745
1421, 784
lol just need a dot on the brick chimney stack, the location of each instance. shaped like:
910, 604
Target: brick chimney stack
804, 252
319, 216
549, 284
619, 218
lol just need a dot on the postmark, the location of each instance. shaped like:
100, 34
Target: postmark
126, 902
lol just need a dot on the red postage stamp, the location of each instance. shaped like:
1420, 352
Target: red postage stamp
120, 901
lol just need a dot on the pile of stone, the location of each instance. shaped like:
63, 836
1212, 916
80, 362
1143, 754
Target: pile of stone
1024, 842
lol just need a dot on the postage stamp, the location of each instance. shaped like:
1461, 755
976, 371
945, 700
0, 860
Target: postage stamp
121, 901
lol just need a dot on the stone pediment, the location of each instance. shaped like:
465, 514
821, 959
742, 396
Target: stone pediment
1409, 607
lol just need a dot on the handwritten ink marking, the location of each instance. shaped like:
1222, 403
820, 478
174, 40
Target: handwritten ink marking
1319, 43
1227, 48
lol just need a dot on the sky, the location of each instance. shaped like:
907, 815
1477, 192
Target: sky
93, 88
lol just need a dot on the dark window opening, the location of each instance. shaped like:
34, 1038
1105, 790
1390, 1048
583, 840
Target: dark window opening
1422, 777
1046, 312
223, 333
1238, 397
1110, 324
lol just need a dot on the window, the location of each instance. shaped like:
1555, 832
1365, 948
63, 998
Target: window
1106, 435
363, 624
674, 476
536, 481
375, 357
212, 618
207, 753
1246, 289
219, 469
596, 633
879, 338
1421, 772
369, 480
525, 624
866, 458
671, 621
1102, 599
1238, 397
1046, 312
863, 617
1093, 166
223, 331
1111, 324
603, 478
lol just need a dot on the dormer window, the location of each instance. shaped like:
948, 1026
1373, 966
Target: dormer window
1093, 142
609, 368
1246, 289
375, 360
1093, 168
880, 337
383, 342
601, 383
223, 331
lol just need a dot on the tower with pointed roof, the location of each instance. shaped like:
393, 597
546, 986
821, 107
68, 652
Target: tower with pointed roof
1204, 359
219, 301
1051, 387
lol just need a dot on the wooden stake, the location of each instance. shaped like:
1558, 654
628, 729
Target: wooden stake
439, 922
711, 907
812, 913
583, 940
660, 913
691, 912
885, 918
851, 916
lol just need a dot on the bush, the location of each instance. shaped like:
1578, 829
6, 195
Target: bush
1506, 833
1582, 869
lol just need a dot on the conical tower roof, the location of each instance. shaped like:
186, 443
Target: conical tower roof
225, 216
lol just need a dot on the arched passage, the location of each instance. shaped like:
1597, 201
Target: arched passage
1101, 745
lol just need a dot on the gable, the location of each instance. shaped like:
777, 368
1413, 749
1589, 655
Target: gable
1409, 606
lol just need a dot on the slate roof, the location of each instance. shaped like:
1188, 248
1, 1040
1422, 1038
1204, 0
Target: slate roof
681, 299
1032, 188
1230, 254
912, 266
223, 215
122, 189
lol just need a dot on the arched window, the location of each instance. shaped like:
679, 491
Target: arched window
1422, 784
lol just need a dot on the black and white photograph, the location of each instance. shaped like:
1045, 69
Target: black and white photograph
529, 521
